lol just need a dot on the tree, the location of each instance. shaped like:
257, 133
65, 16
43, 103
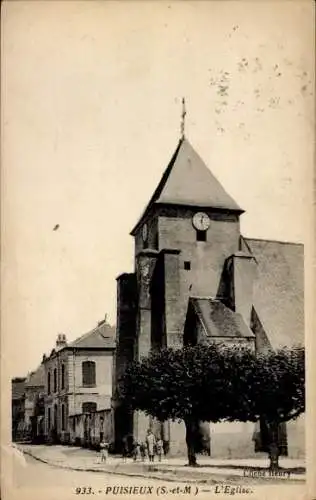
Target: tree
191, 384
218, 382
277, 388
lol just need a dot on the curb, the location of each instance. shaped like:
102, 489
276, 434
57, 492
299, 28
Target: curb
166, 475
122, 473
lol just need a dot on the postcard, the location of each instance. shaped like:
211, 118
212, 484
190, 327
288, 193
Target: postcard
157, 247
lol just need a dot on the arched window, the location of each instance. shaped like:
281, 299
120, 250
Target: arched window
88, 373
63, 417
55, 379
48, 383
63, 376
89, 407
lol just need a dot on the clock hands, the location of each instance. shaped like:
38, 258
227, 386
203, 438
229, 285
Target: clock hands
201, 221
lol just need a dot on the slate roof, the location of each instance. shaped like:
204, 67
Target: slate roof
218, 320
279, 290
188, 181
102, 336
36, 378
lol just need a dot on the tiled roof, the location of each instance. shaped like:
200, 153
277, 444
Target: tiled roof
188, 181
36, 378
279, 290
218, 320
102, 336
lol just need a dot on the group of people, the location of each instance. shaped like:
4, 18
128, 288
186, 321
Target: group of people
149, 448
141, 450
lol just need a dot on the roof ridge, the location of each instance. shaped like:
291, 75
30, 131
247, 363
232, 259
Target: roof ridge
187, 181
282, 242
90, 332
161, 184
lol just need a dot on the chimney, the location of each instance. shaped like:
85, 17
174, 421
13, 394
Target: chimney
61, 341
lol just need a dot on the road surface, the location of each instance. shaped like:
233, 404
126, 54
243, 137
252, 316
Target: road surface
32, 479
27, 478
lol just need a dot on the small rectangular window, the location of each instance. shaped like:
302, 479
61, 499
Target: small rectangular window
200, 235
89, 407
187, 265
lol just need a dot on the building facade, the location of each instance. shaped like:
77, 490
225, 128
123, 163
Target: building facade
18, 408
34, 404
197, 279
78, 383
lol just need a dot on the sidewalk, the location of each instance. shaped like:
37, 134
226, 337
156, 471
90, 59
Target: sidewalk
210, 470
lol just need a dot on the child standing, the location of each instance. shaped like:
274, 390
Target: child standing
104, 450
143, 451
159, 448
136, 451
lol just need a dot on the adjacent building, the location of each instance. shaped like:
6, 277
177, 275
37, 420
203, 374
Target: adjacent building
198, 279
78, 384
34, 404
28, 406
18, 408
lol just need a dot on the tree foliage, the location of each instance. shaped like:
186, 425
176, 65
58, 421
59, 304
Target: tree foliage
280, 381
217, 382
195, 382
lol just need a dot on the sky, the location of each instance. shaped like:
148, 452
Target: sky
91, 96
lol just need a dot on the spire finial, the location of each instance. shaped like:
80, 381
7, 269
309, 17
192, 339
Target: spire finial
183, 118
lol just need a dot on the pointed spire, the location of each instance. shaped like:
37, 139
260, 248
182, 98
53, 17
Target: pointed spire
187, 181
183, 118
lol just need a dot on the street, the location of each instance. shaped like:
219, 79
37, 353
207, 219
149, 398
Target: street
39, 475
36, 480
30, 478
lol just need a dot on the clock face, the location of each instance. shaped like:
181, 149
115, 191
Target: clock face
201, 221
145, 232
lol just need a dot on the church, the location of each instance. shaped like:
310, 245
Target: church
198, 279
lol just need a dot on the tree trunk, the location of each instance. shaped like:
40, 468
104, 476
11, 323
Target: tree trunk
190, 426
274, 445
